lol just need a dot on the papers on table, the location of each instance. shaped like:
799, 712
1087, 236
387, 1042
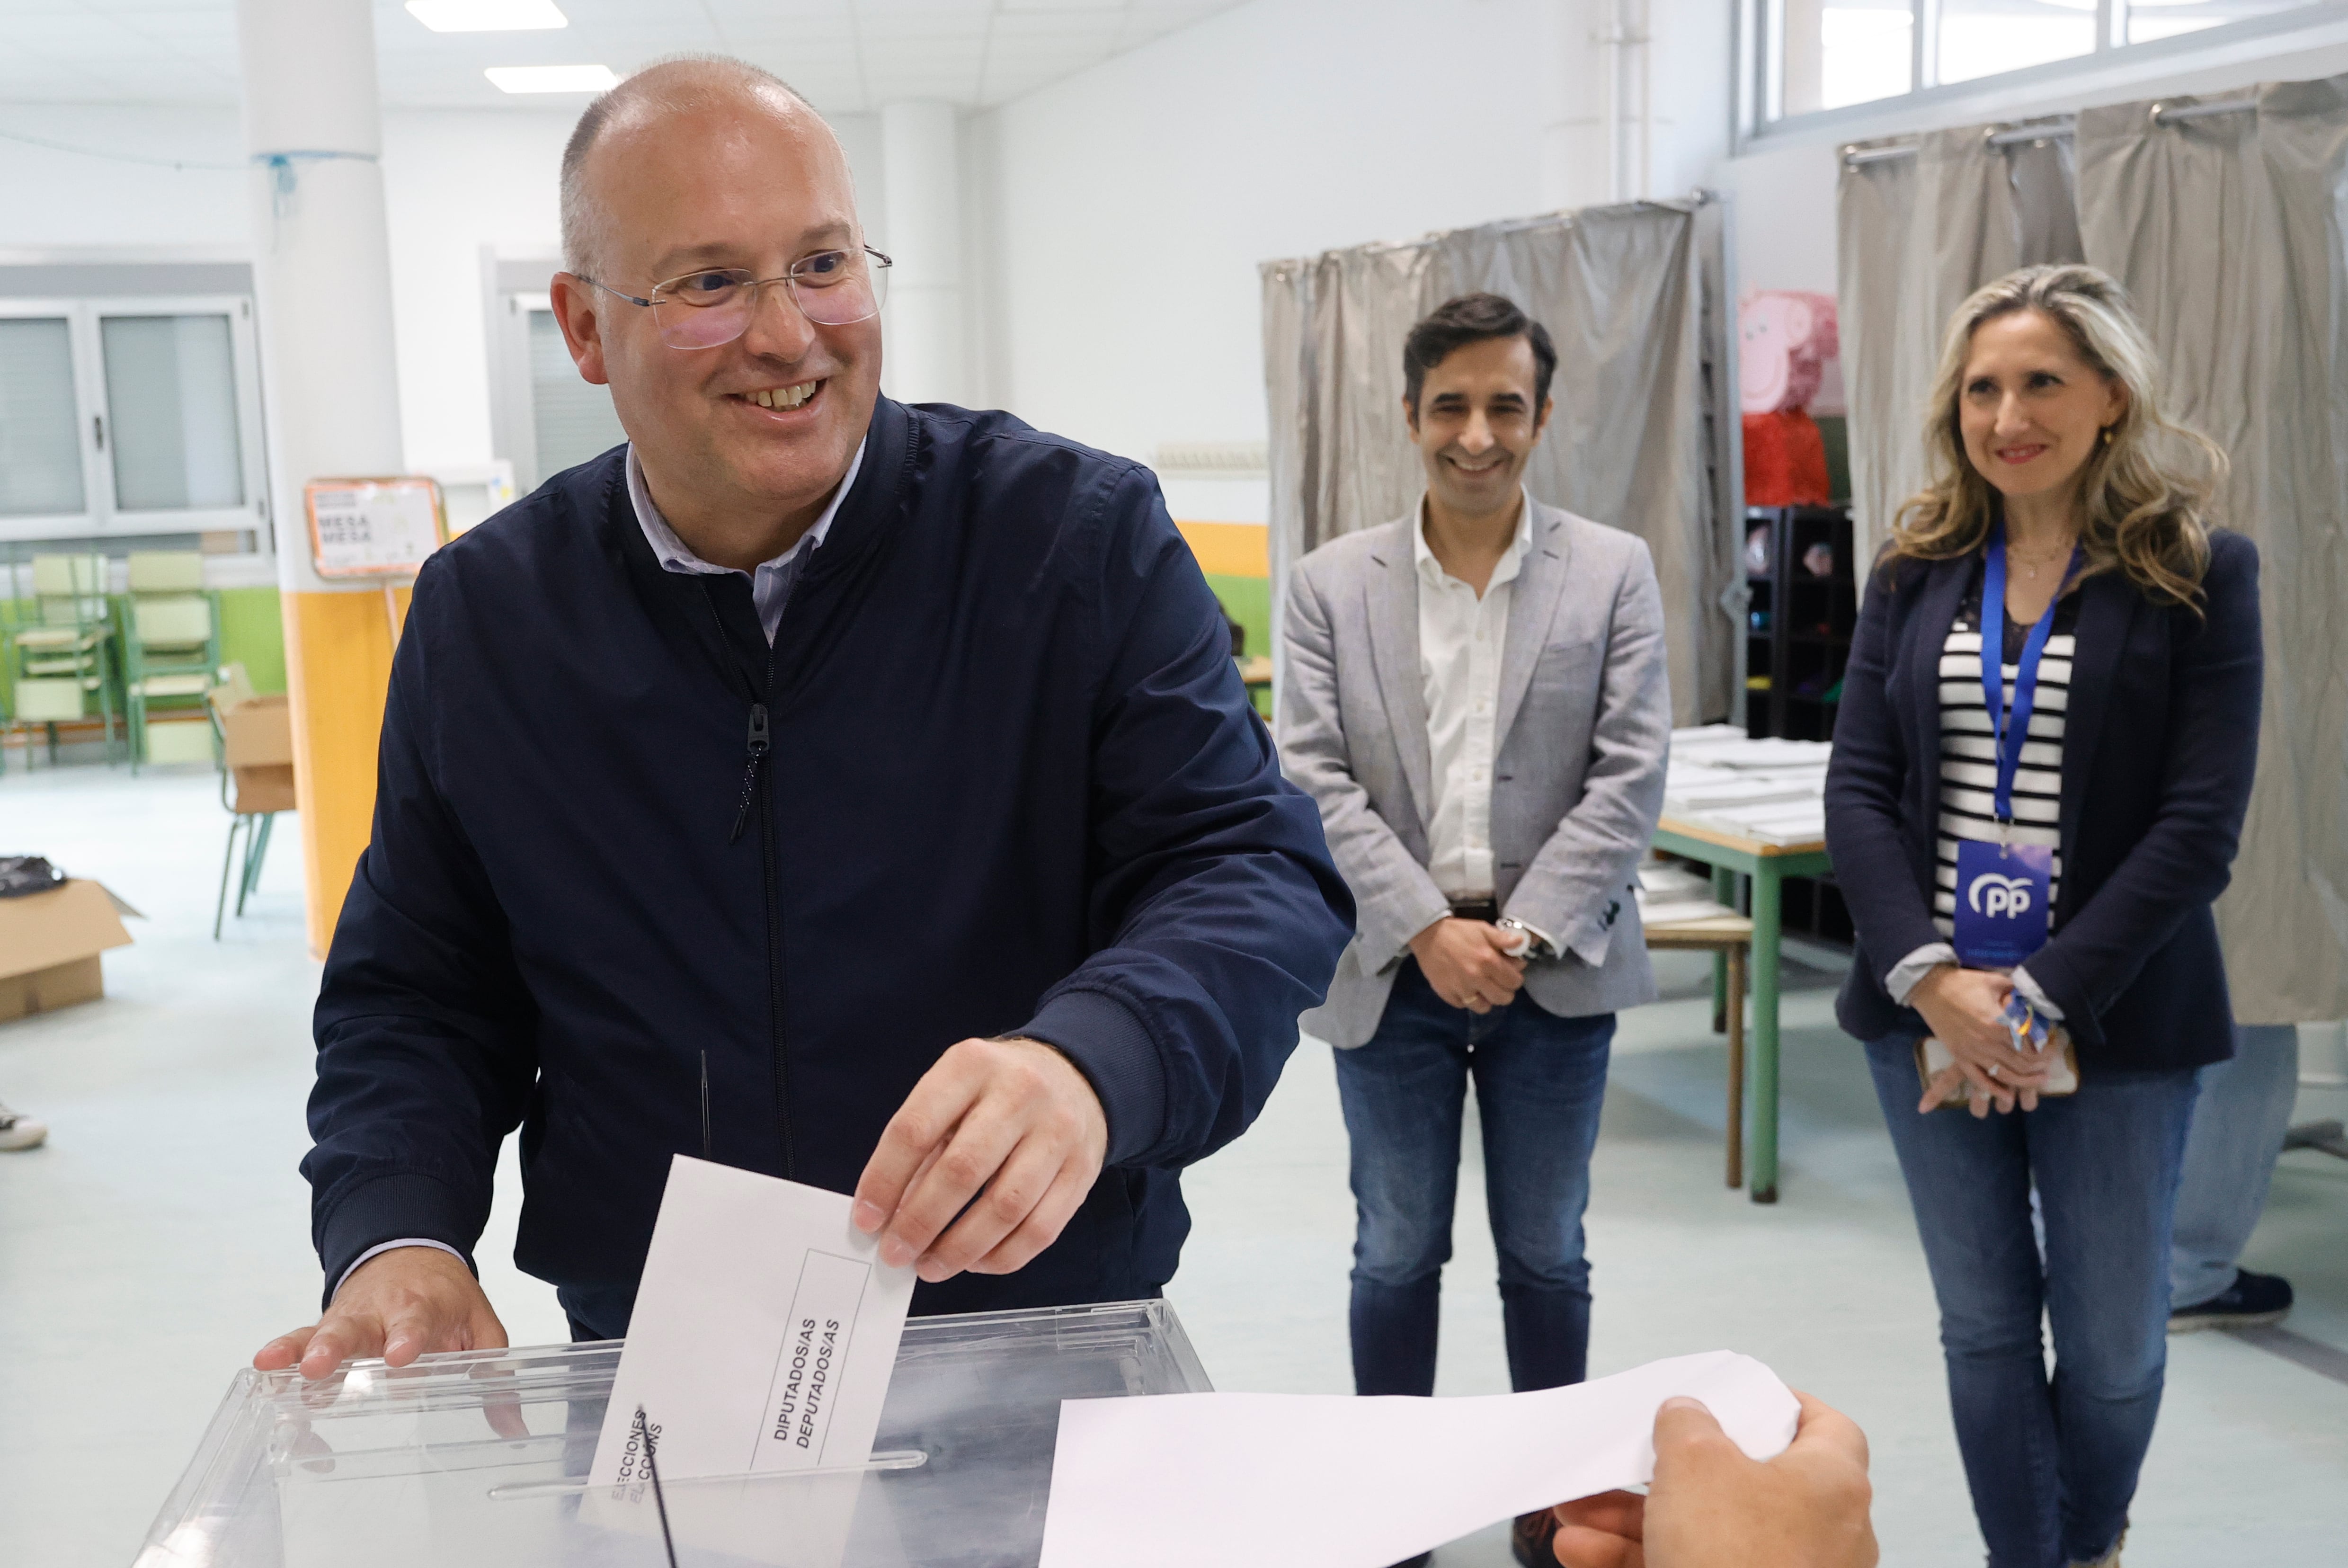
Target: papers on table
1771, 789
1330, 1481
762, 1342
1670, 894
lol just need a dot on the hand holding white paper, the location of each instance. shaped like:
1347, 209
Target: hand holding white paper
763, 1340
1328, 1481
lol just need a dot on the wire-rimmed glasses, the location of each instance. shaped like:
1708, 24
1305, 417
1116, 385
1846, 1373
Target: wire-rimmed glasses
712, 307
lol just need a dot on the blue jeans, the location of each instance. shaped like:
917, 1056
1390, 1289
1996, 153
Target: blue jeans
1540, 1082
2052, 1461
2229, 1157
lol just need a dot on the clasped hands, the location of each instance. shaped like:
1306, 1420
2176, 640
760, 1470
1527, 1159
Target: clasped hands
1007, 1134
1471, 964
1964, 1008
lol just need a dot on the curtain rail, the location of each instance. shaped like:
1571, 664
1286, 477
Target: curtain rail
2053, 128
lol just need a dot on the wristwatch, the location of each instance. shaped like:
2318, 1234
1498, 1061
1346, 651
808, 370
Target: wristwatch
1536, 944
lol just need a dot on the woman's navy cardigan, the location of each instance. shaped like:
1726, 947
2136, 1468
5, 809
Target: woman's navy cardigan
2159, 745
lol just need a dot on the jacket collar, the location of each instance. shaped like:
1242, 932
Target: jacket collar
1394, 652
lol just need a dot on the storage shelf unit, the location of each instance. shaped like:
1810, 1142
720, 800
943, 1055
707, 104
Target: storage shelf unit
1798, 645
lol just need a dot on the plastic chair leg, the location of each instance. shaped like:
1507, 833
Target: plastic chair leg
220, 905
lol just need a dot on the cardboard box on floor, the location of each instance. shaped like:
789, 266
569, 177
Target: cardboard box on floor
49, 944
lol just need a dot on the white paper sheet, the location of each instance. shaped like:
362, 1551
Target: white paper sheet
1291, 1480
764, 1334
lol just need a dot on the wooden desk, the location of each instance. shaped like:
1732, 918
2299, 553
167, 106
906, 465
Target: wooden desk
1768, 865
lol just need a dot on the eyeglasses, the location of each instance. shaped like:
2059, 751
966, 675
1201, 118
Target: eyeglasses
712, 308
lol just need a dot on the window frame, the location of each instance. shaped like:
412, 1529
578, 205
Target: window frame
1759, 31
101, 517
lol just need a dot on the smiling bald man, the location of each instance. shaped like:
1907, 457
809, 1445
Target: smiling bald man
853, 792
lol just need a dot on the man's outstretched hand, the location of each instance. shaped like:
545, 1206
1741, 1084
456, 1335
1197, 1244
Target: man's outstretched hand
397, 1304
1011, 1123
1710, 1507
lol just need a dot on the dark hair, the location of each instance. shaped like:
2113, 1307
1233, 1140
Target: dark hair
1471, 318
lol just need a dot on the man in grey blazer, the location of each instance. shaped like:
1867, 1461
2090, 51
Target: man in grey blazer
1476, 695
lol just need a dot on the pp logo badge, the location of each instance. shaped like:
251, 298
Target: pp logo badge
1999, 897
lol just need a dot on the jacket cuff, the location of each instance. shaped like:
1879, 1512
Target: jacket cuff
1386, 937
1901, 982
402, 1206
2055, 981
1115, 1052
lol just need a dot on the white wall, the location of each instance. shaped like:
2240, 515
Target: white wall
454, 181
1123, 212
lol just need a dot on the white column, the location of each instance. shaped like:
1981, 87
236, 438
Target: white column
920, 176
321, 256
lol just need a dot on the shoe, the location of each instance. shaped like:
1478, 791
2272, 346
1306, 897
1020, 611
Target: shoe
20, 1131
1533, 1539
2253, 1298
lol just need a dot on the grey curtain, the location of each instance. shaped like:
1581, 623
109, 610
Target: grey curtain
2232, 232
1637, 298
1915, 235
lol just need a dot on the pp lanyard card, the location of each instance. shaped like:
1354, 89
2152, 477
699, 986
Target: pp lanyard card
2004, 888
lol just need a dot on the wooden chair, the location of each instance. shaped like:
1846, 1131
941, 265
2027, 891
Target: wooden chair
1728, 937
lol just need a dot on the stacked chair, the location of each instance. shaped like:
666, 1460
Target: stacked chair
170, 640
61, 656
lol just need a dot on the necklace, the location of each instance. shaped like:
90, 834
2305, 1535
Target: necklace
2030, 567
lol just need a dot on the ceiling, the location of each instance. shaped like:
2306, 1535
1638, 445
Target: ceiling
845, 55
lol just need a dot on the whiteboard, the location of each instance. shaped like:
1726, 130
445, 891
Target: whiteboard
374, 528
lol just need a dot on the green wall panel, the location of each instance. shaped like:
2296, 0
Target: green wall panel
252, 632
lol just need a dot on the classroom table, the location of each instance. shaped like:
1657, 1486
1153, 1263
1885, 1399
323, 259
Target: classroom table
1730, 855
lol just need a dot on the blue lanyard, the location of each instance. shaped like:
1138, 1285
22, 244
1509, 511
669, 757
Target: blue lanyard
2009, 735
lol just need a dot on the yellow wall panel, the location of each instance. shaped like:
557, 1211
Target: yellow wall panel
338, 670
1230, 549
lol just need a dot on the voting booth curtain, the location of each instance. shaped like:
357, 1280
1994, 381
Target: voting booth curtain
1644, 435
2231, 232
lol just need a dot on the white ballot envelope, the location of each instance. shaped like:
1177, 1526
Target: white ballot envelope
764, 1335
1306, 1481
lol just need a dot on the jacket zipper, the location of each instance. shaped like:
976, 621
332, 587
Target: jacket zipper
758, 742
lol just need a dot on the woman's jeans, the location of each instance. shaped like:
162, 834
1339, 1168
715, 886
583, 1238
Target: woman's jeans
2052, 1461
1540, 1082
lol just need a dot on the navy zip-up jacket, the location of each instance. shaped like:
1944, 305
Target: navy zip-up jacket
997, 775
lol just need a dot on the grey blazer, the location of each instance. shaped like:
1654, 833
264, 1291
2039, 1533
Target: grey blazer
1583, 728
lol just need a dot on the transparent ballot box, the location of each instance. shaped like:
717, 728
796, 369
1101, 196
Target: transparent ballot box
481, 1458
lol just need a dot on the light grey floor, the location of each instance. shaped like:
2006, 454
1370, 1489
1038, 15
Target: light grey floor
164, 1235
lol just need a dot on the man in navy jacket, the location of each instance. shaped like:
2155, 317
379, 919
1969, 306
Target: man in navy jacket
853, 792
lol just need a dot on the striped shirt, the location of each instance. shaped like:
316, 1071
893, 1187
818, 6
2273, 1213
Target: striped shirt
1969, 746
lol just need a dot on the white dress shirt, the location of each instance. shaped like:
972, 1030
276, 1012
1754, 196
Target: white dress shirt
769, 586
1460, 638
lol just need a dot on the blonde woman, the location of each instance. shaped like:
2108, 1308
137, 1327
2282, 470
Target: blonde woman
2030, 840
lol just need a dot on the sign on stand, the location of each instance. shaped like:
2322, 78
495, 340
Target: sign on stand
375, 527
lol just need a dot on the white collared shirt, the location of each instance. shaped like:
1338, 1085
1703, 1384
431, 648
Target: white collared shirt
770, 585
1460, 640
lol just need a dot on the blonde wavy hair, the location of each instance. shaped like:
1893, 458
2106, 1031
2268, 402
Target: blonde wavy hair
2146, 489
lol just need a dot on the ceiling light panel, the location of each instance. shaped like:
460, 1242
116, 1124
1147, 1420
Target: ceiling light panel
487, 15
552, 79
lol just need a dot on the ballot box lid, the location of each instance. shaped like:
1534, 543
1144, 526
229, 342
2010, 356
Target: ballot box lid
481, 1458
